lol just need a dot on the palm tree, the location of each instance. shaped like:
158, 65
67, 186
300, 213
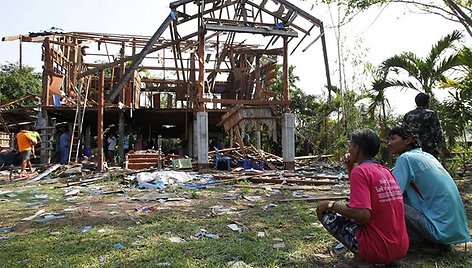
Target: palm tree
424, 74
379, 104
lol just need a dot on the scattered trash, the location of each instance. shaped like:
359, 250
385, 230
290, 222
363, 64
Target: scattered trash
237, 264
339, 246
55, 233
270, 205
5, 230
200, 233
11, 195
118, 246
213, 236
278, 245
234, 227
176, 239
41, 196
156, 185
3, 238
86, 228
50, 218
148, 209
40, 212
260, 234
322, 256
203, 233
163, 264
101, 260
72, 192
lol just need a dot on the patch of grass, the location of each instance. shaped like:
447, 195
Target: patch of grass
292, 236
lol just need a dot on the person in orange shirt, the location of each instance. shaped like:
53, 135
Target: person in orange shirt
24, 141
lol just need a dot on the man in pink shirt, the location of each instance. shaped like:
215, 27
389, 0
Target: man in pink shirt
372, 224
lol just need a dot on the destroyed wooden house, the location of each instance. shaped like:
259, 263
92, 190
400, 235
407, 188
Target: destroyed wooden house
205, 72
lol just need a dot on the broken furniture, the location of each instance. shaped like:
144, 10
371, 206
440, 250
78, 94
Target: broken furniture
222, 159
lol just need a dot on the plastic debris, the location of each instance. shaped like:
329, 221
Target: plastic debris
176, 239
86, 228
71, 192
278, 245
213, 236
5, 230
118, 246
234, 227
260, 234
148, 209
38, 213
339, 246
237, 264
41, 196
50, 218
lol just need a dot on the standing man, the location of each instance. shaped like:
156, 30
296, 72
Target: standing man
64, 141
425, 123
25, 142
111, 147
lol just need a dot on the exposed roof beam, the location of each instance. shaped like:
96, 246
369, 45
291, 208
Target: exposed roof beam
243, 29
147, 49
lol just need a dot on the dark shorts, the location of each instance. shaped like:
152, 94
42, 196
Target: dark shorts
26, 155
342, 228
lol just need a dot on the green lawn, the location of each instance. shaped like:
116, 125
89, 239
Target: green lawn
272, 234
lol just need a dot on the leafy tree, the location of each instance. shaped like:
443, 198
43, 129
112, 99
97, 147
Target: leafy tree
425, 74
453, 10
14, 86
458, 107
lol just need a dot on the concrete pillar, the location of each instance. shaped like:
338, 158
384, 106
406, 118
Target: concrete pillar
288, 140
202, 139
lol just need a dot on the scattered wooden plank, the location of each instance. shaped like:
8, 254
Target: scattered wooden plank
45, 173
316, 199
283, 187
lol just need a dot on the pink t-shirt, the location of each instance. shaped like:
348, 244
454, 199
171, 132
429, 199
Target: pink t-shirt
384, 238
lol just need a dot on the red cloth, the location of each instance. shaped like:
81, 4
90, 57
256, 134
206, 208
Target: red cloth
384, 238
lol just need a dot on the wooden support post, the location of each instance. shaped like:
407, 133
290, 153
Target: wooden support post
325, 56
201, 71
46, 72
101, 100
285, 76
121, 137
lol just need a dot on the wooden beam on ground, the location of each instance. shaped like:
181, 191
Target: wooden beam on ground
295, 181
45, 173
284, 187
316, 199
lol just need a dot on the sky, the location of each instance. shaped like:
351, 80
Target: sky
371, 37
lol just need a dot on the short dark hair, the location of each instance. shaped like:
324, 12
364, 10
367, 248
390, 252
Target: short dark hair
404, 131
367, 140
422, 99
